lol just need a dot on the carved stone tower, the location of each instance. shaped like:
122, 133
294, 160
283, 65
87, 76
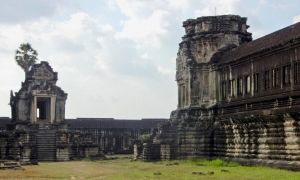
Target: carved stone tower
189, 132
38, 130
38, 115
39, 101
204, 37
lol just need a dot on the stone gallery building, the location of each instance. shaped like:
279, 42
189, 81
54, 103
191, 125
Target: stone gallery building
238, 99
38, 130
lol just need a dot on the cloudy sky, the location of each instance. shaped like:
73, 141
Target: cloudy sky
116, 58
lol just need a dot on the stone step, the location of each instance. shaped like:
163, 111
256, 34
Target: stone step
43, 150
10, 167
46, 135
46, 142
46, 132
10, 163
46, 145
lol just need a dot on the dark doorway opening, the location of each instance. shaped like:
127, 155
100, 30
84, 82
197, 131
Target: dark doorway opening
43, 108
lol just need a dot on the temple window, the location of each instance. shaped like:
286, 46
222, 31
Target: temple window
223, 78
275, 77
223, 86
286, 75
296, 73
256, 82
267, 79
240, 86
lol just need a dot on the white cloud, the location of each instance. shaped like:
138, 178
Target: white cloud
145, 56
222, 7
258, 33
15, 11
182, 4
165, 71
263, 1
145, 29
296, 19
207, 11
137, 8
283, 6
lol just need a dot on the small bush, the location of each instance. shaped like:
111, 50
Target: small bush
214, 163
144, 137
217, 163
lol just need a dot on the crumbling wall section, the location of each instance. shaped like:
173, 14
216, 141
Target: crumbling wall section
238, 100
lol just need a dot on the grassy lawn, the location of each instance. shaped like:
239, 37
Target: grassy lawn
124, 169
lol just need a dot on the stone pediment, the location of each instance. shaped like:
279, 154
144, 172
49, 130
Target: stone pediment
42, 72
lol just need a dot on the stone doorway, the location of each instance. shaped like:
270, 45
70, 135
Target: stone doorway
43, 109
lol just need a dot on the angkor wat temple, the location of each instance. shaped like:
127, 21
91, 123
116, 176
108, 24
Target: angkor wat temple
238, 99
38, 130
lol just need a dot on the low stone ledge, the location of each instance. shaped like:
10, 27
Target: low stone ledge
280, 164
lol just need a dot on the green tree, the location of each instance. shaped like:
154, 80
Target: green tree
144, 137
26, 56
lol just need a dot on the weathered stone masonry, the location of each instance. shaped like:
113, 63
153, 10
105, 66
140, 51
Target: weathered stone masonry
105, 135
38, 130
112, 135
238, 99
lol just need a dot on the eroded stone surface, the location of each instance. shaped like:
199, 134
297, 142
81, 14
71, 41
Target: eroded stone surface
237, 99
38, 131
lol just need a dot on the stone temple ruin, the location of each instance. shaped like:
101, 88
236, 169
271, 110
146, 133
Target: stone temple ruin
238, 99
38, 130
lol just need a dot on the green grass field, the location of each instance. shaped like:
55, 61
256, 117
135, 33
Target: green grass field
124, 169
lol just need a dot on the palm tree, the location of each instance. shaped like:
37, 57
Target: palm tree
26, 56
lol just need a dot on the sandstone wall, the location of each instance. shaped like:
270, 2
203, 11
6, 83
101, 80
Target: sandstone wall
237, 99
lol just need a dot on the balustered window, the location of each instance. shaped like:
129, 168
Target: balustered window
232, 88
296, 72
267, 79
286, 75
223, 86
256, 82
240, 86
275, 77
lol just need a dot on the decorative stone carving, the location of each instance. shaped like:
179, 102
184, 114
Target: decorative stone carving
236, 104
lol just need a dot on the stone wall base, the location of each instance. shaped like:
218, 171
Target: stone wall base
281, 164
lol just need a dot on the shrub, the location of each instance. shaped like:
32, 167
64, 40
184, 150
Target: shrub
144, 137
217, 163
214, 163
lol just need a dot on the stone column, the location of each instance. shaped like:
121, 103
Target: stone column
52, 110
33, 110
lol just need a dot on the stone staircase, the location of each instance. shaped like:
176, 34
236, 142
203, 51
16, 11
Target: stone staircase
46, 145
9, 165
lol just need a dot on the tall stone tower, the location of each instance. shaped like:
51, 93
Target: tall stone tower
187, 133
205, 37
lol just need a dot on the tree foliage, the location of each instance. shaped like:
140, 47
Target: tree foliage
26, 56
144, 137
